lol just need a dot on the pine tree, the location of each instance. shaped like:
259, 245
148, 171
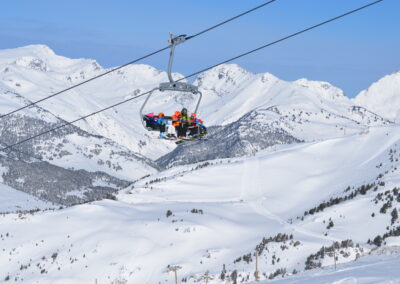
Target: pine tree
234, 276
378, 241
223, 272
395, 215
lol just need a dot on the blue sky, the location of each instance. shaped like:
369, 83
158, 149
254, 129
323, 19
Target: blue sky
350, 53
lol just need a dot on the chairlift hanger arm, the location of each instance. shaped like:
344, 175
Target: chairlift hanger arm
172, 85
174, 41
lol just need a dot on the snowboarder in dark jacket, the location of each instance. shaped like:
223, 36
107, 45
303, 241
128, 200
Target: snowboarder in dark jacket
184, 122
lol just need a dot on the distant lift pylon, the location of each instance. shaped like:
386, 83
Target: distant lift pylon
173, 85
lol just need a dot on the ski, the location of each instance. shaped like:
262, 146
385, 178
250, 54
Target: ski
168, 138
182, 140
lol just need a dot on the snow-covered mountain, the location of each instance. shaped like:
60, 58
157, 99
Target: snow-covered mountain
231, 92
95, 165
57, 185
250, 112
298, 206
253, 132
294, 171
33, 72
383, 97
257, 111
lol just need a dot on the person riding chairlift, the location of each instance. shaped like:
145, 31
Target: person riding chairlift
161, 123
151, 121
176, 121
197, 127
184, 122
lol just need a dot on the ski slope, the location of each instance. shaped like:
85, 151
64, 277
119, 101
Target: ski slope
204, 216
209, 216
112, 241
370, 270
286, 179
12, 200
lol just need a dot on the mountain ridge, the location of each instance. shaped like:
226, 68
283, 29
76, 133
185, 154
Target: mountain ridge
293, 171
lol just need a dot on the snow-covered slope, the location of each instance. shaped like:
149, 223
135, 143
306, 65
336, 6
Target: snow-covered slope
314, 110
56, 184
231, 92
12, 200
265, 127
299, 205
302, 110
33, 72
30, 73
370, 270
383, 97
260, 110
285, 202
294, 176
71, 147
253, 132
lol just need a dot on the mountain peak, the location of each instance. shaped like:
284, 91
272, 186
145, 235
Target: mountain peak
325, 89
383, 96
229, 68
42, 58
36, 50
267, 77
223, 73
40, 48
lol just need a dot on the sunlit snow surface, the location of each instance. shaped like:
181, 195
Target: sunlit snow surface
383, 96
369, 270
12, 200
241, 201
229, 92
206, 215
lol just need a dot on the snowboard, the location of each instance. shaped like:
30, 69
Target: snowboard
190, 139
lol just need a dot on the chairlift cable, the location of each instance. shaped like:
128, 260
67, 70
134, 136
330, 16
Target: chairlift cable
134, 61
193, 74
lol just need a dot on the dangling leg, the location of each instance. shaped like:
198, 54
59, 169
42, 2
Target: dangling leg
148, 122
171, 132
194, 130
178, 130
162, 130
184, 130
203, 131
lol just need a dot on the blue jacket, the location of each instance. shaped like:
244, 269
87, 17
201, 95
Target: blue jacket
161, 121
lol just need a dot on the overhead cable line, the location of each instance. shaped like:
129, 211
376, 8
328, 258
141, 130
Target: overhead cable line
193, 74
283, 39
135, 60
230, 20
24, 153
